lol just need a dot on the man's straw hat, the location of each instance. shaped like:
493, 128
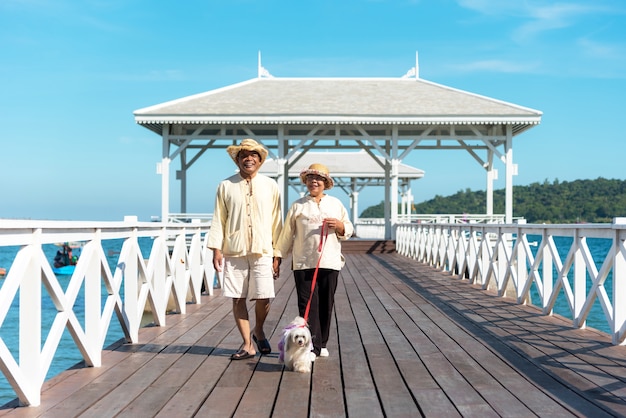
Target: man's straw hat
247, 144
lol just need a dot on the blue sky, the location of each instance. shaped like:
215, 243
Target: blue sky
73, 72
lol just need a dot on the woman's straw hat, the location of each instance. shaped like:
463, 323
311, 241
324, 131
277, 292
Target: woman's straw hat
247, 144
318, 170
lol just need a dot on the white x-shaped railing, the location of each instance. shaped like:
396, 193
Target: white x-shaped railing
502, 258
174, 272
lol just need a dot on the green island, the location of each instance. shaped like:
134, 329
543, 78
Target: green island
578, 201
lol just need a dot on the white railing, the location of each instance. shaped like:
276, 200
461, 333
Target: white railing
190, 217
169, 275
455, 218
500, 257
374, 228
402, 218
371, 228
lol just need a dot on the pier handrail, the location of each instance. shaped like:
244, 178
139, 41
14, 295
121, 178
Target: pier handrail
499, 257
374, 228
170, 273
190, 217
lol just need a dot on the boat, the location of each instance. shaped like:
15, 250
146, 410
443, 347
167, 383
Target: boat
64, 270
65, 260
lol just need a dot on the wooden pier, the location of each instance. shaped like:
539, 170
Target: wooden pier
408, 341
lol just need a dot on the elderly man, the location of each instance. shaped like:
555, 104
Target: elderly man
247, 220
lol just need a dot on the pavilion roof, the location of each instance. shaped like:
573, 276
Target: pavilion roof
337, 100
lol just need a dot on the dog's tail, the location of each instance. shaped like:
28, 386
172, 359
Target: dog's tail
281, 349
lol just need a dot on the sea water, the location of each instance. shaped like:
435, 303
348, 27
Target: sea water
67, 353
598, 248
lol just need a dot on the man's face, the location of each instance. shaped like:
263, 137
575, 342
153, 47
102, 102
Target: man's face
249, 163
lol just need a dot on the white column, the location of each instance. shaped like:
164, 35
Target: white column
394, 190
165, 175
395, 163
508, 203
387, 204
282, 178
182, 176
354, 200
492, 175
283, 170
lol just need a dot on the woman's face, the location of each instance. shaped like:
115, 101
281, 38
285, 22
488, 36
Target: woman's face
315, 184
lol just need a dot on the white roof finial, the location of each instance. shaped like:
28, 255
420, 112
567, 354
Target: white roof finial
262, 72
415, 71
417, 66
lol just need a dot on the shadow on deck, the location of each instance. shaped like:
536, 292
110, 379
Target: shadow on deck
407, 340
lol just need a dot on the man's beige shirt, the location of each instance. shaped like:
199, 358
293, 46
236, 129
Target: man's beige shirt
247, 217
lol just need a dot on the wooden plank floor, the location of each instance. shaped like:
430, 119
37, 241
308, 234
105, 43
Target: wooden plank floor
407, 341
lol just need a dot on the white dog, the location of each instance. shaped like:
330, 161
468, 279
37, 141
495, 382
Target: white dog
295, 346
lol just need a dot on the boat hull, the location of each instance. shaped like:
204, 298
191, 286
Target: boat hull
64, 270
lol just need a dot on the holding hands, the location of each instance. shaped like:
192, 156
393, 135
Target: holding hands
276, 267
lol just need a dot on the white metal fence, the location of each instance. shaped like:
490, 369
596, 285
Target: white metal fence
515, 258
374, 228
169, 274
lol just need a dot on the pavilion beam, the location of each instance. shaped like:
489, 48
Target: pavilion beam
471, 152
371, 154
197, 156
415, 142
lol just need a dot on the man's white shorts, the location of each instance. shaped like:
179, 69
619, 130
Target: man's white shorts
248, 277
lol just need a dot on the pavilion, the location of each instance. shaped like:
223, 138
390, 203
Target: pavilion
385, 117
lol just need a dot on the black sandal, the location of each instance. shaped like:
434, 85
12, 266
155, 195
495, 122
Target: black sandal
262, 345
241, 355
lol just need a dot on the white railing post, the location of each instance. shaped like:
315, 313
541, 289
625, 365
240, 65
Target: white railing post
91, 263
547, 283
619, 283
128, 268
179, 263
195, 268
580, 280
30, 360
158, 272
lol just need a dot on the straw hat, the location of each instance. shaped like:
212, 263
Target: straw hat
247, 144
318, 170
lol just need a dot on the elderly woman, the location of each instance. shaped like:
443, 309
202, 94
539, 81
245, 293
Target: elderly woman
313, 230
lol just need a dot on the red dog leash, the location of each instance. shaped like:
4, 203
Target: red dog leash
320, 248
